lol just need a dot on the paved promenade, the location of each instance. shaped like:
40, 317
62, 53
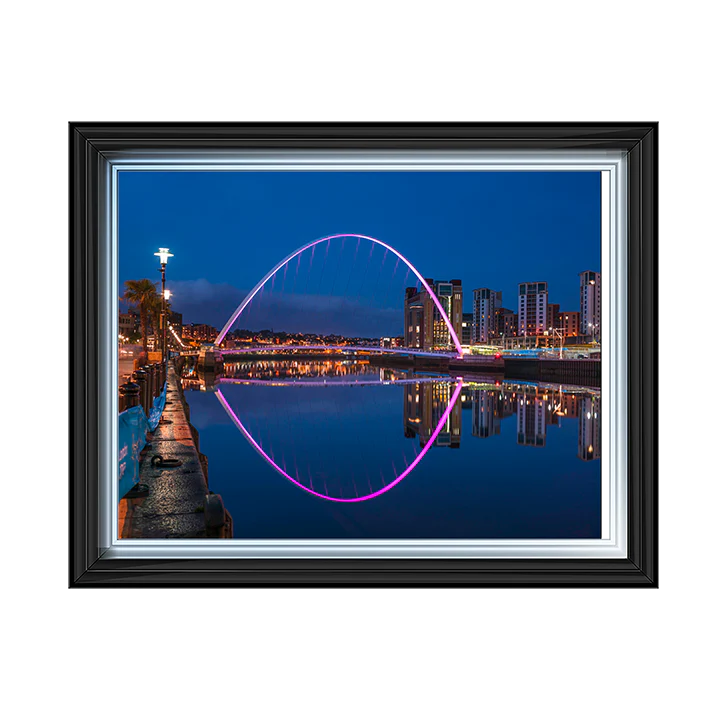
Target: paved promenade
174, 505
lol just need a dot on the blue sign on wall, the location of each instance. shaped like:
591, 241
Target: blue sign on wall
133, 425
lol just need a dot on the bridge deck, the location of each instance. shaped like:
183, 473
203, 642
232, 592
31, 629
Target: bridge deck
325, 347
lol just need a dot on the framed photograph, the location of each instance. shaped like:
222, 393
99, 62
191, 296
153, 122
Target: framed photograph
363, 354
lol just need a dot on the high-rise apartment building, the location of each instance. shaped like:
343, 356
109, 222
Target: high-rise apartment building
449, 294
417, 312
466, 337
424, 327
532, 308
590, 303
484, 305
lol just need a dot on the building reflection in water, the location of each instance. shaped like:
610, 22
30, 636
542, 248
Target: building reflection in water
424, 405
537, 406
490, 407
589, 432
531, 419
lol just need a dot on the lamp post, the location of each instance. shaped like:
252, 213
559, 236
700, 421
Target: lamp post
164, 255
166, 298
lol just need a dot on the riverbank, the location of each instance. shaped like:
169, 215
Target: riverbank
584, 372
179, 503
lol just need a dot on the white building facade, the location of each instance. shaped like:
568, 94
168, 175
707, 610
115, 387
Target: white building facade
590, 304
532, 308
485, 302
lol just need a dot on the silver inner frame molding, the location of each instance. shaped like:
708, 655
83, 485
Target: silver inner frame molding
614, 380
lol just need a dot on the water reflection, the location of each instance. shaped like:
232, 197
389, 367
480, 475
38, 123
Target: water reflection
301, 369
442, 426
479, 457
428, 455
427, 399
537, 409
424, 405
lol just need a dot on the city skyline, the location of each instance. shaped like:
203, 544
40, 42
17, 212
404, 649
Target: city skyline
490, 319
540, 226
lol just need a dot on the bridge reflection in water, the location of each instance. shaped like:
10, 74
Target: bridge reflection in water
350, 431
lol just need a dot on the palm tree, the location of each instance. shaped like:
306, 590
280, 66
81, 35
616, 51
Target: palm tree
155, 309
142, 296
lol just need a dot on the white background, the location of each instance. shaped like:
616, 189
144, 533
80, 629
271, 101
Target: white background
357, 655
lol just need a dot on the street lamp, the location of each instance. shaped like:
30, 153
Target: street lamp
166, 298
164, 254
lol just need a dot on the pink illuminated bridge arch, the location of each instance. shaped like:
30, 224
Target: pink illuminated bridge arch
440, 426
300, 250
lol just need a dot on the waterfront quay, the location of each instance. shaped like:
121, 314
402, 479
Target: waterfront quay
175, 501
584, 372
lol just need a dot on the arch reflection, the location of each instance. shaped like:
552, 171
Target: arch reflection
429, 443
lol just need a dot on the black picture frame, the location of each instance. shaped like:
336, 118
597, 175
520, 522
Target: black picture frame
89, 145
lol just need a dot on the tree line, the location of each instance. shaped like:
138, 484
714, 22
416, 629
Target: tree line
143, 298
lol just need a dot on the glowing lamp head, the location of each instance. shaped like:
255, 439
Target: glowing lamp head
164, 255
166, 294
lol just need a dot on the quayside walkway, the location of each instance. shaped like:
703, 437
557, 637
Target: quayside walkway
178, 503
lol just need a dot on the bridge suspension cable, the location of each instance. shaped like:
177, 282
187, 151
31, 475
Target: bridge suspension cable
312, 245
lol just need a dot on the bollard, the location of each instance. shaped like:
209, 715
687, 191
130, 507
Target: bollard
129, 396
140, 377
214, 512
159, 382
146, 397
151, 382
151, 385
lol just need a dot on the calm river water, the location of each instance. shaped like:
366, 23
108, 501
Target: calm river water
341, 449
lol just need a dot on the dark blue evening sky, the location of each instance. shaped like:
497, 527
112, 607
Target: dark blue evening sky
227, 229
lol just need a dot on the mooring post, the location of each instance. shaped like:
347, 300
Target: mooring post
161, 375
140, 377
129, 396
153, 391
152, 387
